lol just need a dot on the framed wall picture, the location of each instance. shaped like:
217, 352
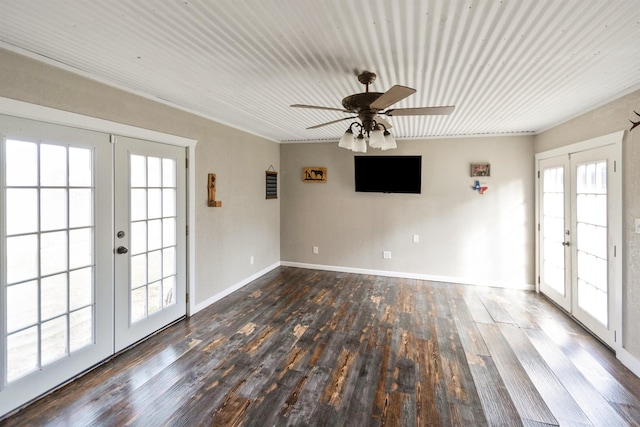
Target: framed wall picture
480, 169
314, 174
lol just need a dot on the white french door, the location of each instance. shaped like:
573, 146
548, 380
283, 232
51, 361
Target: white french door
69, 300
579, 208
150, 234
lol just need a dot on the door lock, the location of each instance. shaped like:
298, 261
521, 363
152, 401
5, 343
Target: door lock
566, 243
122, 250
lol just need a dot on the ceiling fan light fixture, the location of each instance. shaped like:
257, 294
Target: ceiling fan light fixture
360, 145
389, 141
347, 140
376, 139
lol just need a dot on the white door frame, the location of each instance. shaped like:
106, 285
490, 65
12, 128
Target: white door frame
12, 107
615, 221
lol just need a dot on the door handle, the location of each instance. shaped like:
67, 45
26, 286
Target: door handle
566, 243
122, 250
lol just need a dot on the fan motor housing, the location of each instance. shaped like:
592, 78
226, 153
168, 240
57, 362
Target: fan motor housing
360, 101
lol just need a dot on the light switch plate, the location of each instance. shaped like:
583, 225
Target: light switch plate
386, 254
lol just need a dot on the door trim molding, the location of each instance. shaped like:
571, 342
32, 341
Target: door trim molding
615, 226
25, 110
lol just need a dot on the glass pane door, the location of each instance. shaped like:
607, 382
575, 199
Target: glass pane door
576, 245
555, 258
51, 232
593, 300
150, 262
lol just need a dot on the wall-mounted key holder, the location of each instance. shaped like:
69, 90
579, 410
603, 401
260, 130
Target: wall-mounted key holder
211, 187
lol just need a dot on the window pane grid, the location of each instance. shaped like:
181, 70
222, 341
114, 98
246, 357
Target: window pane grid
152, 231
40, 281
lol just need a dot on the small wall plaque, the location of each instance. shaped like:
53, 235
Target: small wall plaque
314, 174
271, 184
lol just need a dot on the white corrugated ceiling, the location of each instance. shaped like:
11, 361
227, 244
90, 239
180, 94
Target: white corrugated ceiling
509, 66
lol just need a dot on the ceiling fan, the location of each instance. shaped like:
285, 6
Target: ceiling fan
368, 107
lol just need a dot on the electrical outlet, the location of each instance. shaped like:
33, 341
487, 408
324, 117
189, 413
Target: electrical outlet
251, 260
386, 254
416, 238
315, 250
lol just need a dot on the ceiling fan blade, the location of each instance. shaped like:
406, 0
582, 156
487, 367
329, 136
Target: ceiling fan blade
420, 111
383, 122
319, 108
331, 122
393, 95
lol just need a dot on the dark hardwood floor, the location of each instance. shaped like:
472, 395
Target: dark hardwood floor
302, 347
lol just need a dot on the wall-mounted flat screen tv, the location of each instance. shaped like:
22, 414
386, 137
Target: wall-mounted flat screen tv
388, 174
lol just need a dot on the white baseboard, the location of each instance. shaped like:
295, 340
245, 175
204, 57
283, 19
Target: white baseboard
204, 304
446, 279
629, 361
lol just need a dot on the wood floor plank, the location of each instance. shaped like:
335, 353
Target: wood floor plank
525, 396
558, 399
588, 398
307, 347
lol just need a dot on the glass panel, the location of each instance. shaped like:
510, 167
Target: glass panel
53, 297
22, 305
155, 266
80, 288
80, 208
81, 328
138, 271
168, 173
155, 173
21, 163
138, 205
155, 203
138, 237
53, 252
138, 304
155, 293
81, 244
22, 211
80, 167
54, 340
169, 262
22, 353
22, 258
138, 171
53, 209
53, 165
168, 232
168, 291
168, 202
155, 234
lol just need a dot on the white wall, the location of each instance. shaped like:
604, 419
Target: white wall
464, 236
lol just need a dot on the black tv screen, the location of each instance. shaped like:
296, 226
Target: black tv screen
388, 174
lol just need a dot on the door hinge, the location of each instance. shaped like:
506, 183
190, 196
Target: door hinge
538, 226
187, 230
113, 139
615, 251
187, 298
538, 174
538, 280
615, 166
186, 163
